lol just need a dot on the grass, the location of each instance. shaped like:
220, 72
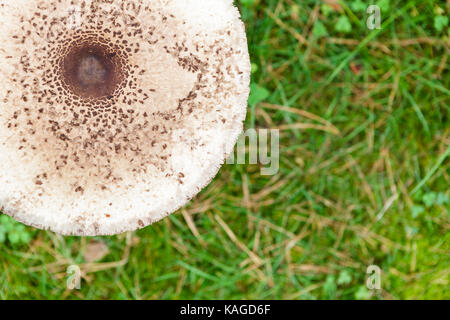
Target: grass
374, 193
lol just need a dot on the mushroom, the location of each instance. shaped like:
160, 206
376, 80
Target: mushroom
114, 114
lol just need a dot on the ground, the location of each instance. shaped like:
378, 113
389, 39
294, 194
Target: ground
363, 181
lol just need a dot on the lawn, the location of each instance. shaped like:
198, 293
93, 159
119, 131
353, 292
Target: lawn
363, 180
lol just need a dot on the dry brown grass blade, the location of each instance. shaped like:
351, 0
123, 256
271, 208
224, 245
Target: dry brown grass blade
304, 291
309, 268
190, 222
305, 126
366, 185
255, 258
300, 112
285, 27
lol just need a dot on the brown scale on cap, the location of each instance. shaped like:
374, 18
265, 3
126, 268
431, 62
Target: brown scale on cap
97, 107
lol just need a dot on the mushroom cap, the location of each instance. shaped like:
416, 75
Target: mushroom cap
115, 114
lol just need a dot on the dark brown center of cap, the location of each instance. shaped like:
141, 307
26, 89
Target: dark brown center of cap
92, 70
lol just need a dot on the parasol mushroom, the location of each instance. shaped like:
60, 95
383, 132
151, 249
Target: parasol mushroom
114, 114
